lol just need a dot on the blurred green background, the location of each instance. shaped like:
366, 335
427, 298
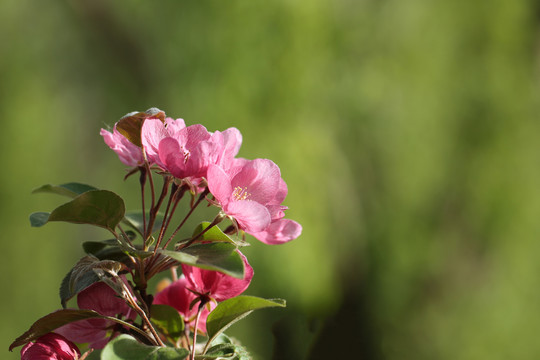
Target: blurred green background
407, 131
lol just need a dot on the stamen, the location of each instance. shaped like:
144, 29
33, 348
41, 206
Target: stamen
240, 193
187, 154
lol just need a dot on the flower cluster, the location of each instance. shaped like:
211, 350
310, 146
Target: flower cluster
249, 191
115, 308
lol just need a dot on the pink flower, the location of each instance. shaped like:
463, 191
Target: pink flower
186, 152
129, 153
251, 192
179, 297
245, 192
104, 300
182, 151
216, 285
50, 347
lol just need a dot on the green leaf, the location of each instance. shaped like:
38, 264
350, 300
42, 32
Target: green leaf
104, 251
71, 190
135, 220
96, 207
220, 351
114, 249
39, 219
168, 321
53, 321
214, 234
218, 256
231, 310
95, 354
125, 347
82, 275
94, 247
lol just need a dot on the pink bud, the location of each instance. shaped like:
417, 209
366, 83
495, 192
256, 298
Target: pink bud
50, 347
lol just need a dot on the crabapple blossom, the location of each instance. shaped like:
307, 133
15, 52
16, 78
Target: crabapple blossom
179, 297
186, 152
245, 192
101, 298
50, 346
216, 285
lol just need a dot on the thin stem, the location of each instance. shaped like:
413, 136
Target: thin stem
133, 303
142, 181
174, 274
201, 197
216, 221
155, 208
153, 191
175, 198
124, 235
131, 326
201, 307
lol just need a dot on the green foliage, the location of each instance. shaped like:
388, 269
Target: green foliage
135, 220
54, 320
110, 249
215, 234
84, 274
101, 208
71, 189
168, 321
232, 310
210, 256
125, 347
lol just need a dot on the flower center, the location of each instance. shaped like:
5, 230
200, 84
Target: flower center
186, 153
240, 193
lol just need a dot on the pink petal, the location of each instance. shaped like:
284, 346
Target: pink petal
230, 141
179, 297
201, 157
128, 153
219, 184
172, 157
281, 193
236, 166
102, 298
276, 211
152, 132
92, 331
194, 134
174, 126
218, 285
279, 232
250, 215
261, 178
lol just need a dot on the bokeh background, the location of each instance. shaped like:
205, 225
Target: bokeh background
407, 131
